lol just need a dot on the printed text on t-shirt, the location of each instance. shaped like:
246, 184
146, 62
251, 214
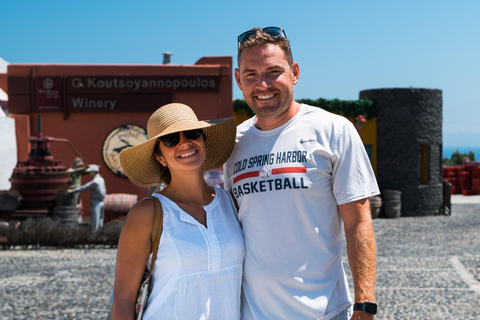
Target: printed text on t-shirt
298, 156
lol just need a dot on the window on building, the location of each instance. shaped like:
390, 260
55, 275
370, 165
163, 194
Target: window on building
424, 164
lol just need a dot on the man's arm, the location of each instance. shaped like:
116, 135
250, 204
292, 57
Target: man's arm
78, 170
361, 251
87, 186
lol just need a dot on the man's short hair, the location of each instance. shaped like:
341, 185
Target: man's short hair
261, 38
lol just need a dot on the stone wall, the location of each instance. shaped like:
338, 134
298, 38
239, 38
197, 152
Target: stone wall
406, 120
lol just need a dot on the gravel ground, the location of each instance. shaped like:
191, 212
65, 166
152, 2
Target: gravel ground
428, 268
55, 284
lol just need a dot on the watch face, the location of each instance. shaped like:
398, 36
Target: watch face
370, 308
366, 307
121, 138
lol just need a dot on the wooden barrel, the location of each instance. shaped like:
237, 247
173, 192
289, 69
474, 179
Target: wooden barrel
118, 204
392, 203
375, 206
63, 198
67, 214
9, 200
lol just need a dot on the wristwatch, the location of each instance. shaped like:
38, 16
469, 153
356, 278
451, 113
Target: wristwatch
366, 307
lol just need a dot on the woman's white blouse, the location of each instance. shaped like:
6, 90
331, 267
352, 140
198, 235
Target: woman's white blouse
198, 270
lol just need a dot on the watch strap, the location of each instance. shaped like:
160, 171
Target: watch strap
366, 307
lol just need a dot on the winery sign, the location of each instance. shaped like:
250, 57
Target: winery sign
116, 93
143, 84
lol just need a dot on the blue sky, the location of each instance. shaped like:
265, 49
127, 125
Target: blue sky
342, 47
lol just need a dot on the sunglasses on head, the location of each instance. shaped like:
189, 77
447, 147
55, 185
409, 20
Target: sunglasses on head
171, 140
273, 32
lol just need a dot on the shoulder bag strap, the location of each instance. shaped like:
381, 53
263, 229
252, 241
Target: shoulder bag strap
156, 230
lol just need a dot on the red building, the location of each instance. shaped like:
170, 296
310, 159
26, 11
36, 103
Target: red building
102, 109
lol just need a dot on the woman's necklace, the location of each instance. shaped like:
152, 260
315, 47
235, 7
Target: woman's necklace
196, 205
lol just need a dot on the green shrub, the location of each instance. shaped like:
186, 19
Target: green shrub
348, 108
457, 158
48, 232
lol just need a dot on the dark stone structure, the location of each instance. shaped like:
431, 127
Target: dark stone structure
409, 146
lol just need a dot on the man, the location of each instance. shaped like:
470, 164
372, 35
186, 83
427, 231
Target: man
298, 172
99, 191
76, 172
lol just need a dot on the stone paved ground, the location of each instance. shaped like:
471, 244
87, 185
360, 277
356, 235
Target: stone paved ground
428, 268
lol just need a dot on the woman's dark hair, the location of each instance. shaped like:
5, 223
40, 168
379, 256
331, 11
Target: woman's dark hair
164, 171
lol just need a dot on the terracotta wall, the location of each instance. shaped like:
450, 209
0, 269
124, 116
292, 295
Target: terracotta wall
87, 130
3, 81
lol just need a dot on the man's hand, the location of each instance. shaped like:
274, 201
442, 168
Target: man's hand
360, 315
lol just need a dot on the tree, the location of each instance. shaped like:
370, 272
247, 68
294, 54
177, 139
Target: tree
457, 158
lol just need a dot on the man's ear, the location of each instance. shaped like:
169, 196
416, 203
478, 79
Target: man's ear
296, 72
237, 78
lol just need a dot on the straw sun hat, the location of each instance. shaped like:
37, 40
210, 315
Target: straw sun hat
139, 163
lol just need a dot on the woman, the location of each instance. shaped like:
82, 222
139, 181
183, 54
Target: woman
198, 269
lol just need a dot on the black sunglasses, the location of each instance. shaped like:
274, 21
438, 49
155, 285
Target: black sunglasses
273, 32
172, 139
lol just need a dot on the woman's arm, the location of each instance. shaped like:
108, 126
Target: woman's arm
134, 247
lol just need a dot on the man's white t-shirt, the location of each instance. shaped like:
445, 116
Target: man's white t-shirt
288, 182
